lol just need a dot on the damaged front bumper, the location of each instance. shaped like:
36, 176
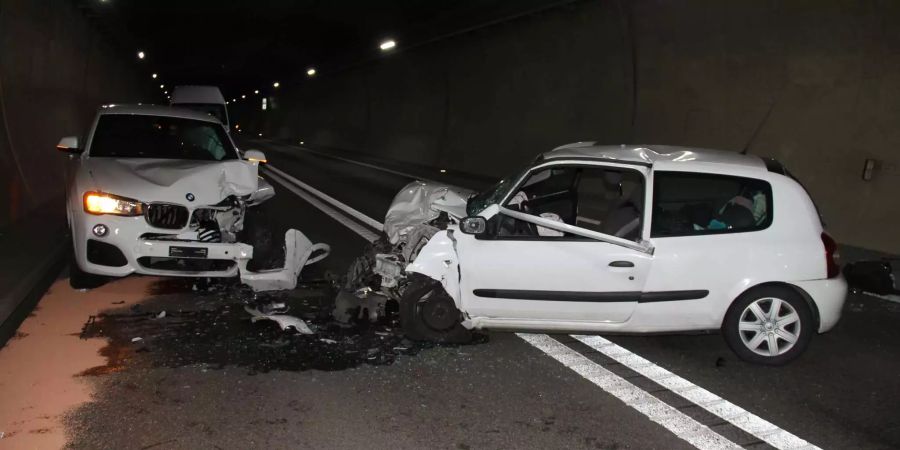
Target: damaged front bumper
127, 250
299, 252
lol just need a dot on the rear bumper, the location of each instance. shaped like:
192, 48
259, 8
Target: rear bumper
829, 296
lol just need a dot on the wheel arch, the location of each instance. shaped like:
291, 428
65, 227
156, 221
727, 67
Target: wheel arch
438, 260
814, 310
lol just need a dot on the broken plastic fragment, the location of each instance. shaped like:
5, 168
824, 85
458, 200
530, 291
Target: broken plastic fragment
283, 321
298, 254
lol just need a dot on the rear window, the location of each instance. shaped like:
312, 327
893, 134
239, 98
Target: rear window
689, 204
141, 136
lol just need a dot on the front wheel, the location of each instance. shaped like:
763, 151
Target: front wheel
427, 313
79, 279
771, 325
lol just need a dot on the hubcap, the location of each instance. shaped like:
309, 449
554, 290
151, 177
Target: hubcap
769, 326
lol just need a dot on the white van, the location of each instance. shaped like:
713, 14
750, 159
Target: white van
205, 99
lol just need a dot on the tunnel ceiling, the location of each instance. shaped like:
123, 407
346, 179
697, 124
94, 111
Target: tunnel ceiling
246, 45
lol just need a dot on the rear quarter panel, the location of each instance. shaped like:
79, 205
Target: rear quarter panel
726, 265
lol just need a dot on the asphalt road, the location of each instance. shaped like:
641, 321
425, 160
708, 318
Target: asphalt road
203, 376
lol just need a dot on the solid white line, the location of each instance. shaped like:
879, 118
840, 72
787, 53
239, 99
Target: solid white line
354, 226
737, 416
334, 202
358, 163
677, 422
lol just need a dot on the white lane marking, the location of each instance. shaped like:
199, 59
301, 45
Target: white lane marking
737, 416
354, 226
358, 163
334, 202
677, 422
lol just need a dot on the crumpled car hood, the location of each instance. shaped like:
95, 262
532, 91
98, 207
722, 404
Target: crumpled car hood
420, 202
170, 180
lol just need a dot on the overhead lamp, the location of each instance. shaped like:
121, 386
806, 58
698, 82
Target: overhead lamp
243, 96
162, 86
154, 76
387, 45
141, 54
256, 91
311, 71
276, 84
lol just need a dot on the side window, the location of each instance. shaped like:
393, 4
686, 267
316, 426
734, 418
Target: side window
607, 200
688, 204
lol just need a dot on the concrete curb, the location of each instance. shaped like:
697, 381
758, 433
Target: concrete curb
29, 290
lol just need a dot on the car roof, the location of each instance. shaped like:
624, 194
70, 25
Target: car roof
653, 155
197, 94
156, 110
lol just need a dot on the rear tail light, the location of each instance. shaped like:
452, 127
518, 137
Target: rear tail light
832, 257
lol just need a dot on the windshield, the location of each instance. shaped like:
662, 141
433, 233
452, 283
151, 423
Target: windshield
493, 195
139, 136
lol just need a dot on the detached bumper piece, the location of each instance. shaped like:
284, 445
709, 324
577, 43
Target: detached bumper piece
299, 252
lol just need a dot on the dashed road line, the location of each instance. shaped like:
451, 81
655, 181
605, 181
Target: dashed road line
675, 421
733, 414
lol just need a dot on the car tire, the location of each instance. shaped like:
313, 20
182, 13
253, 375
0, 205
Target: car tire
428, 313
79, 279
756, 336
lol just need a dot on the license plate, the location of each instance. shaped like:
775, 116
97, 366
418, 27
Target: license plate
188, 252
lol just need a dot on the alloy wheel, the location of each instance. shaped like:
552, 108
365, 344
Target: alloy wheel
769, 326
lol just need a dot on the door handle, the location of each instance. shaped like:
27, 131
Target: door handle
621, 264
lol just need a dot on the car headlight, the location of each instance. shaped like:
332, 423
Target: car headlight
102, 203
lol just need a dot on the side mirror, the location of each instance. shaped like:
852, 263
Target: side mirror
255, 156
473, 225
69, 144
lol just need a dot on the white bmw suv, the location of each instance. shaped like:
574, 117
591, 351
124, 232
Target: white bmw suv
621, 239
163, 191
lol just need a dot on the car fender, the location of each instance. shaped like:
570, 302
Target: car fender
439, 261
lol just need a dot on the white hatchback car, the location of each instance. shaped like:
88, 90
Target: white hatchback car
619, 239
164, 191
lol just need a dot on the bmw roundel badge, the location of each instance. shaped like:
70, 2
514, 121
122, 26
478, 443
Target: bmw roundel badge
189, 197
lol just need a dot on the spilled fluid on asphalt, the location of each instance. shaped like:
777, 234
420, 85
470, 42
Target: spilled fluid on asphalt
208, 326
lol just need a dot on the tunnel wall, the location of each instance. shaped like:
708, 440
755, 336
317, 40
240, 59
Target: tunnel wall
55, 71
813, 83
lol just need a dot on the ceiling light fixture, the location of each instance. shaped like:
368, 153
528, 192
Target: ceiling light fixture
311, 71
141, 55
387, 45
276, 84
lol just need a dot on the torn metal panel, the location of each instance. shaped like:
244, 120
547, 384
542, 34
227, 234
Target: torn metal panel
420, 202
283, 320
299, 251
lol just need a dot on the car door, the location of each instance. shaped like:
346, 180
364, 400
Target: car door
535, 263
